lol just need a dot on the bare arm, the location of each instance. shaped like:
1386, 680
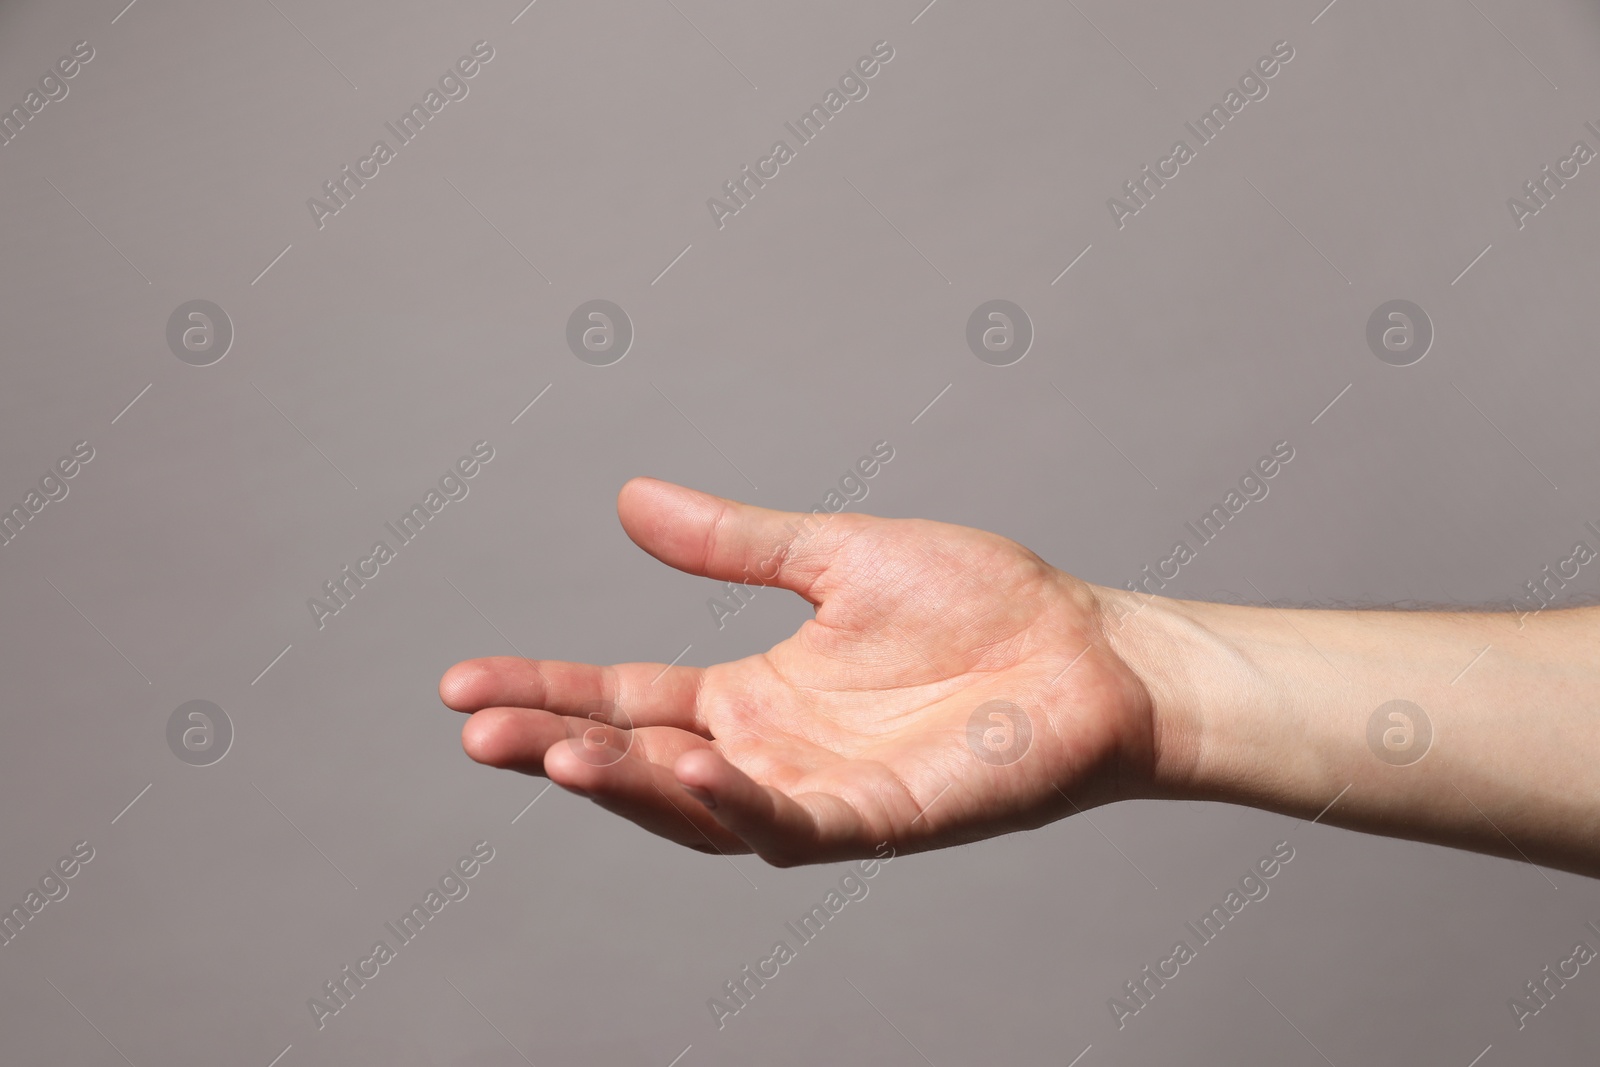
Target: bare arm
1496, 751
954, 686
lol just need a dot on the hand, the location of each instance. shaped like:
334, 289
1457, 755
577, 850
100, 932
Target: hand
854, 731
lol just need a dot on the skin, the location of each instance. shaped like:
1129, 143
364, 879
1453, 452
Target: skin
858, 729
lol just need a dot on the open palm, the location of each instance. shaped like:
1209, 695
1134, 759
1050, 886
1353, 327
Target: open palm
951, 686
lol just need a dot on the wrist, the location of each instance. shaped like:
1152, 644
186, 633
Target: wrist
1225, 726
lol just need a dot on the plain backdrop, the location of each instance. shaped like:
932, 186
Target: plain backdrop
371, 352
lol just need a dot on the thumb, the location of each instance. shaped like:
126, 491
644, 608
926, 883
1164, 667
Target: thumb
724, 539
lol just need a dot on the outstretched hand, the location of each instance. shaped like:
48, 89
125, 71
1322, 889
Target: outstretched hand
952, 686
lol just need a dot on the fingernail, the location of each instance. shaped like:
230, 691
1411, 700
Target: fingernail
701, 795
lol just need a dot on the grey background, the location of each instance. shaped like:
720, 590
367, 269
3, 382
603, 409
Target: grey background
1213, 325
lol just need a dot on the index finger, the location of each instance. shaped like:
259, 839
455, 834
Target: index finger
649, 694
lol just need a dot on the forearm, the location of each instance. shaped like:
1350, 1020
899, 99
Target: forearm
1272, 709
